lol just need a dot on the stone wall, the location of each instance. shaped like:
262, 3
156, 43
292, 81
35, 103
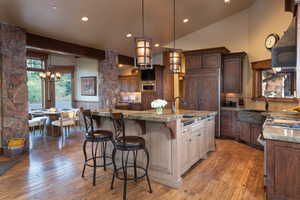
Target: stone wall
13, 87
109, 86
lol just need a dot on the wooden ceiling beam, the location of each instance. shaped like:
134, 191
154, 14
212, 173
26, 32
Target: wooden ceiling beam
43, 44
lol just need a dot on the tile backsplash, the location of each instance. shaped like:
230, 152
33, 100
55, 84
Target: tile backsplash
130, 97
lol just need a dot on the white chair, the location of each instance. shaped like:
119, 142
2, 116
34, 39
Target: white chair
67, 119
38, 123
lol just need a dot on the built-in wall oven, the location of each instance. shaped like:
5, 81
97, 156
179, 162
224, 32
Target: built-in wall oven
148, 86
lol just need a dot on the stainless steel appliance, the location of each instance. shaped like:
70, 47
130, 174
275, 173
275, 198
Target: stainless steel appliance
148, 86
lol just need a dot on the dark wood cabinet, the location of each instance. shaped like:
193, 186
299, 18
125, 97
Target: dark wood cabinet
245, 132
283, 164
232, 73
129, 83
249, 133
230, 127
242, 131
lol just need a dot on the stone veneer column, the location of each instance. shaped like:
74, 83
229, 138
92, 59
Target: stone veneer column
109, 86
13, 87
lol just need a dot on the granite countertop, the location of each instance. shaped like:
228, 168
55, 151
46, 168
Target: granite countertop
150, 115
277, 132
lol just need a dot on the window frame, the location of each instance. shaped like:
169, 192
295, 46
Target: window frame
257, 68
43, 58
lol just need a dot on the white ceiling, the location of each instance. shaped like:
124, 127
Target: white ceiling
110, 20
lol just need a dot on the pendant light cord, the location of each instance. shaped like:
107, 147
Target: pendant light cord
174, 25
143, 18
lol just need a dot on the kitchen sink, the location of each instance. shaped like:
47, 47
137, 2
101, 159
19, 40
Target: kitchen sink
251, 116
187, 116
255, 111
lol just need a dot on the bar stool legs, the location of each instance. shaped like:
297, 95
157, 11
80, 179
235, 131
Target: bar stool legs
125, 166
94, 157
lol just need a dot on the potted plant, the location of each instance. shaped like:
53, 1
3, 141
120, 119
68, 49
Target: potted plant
159, 105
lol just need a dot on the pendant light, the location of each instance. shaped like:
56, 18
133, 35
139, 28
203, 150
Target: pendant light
143, 51
175, 54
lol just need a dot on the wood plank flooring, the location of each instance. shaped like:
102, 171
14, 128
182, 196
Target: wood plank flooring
53, 171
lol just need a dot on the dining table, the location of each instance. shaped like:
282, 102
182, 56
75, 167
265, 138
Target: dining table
52, 116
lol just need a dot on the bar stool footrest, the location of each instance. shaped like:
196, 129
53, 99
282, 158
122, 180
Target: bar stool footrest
130, 179
99, 157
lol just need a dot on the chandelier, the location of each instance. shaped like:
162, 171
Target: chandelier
50, 76
143, 50
175, 54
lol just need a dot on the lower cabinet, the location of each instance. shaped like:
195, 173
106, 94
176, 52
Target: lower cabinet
249, 133
243, 131
197, 140
283, 164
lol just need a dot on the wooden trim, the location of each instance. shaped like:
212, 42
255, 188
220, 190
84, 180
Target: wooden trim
1, 151
57, 46
223, 50
38, 45
262, 64
275, 99
172, 127
257, 67
126, 60
36, 55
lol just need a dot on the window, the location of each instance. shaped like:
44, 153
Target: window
277, 85
35, 63
63, 92
35, 91
34, 82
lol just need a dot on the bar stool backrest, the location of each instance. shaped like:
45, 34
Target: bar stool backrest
119, 125
88, 122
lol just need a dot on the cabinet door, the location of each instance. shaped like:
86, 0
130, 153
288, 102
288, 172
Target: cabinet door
283, 164
245, 132
194, 150
232, 75
211, 134
256, 130
184, 152
226, 124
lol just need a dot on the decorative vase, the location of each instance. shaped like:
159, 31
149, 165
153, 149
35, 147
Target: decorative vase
159, 111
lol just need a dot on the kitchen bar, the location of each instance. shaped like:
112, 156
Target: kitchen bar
175, 141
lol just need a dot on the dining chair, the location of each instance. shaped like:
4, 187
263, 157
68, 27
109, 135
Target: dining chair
65, 122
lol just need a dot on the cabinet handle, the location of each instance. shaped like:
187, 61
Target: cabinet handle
190, 140
199, 135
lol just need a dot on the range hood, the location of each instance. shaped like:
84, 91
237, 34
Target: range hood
284, 54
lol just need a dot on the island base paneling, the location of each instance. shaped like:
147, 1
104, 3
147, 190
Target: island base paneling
169, 157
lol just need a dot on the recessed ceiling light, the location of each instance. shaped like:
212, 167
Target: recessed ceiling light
120, 65
156, 45
186, 20
227, 1
84, 19
129, 35
54, 7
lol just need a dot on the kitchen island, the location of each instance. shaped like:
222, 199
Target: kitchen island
175, 141
282, 134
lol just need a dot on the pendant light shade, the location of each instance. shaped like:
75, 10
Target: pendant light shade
175, 60
175, 54
143, 51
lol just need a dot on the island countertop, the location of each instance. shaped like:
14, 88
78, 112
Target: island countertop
150, 115
281, 127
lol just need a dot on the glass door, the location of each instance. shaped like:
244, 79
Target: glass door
63, 92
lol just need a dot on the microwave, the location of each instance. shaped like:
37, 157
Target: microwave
148, 86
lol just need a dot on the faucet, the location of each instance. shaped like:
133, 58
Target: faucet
174, 104
266, 104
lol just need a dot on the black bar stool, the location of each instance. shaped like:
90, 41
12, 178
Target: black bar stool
95, 137
127, 144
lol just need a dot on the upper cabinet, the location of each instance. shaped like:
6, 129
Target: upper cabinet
204, 58
129, 83
233, 72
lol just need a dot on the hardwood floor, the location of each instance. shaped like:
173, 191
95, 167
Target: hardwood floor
53, 171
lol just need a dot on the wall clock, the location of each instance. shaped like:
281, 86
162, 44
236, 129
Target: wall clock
271, 41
